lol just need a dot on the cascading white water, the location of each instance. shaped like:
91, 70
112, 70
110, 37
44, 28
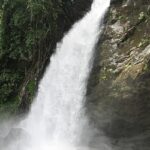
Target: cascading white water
56, 119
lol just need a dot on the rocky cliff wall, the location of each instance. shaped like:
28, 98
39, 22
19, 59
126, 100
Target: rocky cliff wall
118, 96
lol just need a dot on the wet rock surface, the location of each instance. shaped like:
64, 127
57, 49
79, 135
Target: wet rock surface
118, 95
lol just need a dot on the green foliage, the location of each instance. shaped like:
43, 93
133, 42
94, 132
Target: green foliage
26, 26
8, 84
29, 30
9, 108
31, 89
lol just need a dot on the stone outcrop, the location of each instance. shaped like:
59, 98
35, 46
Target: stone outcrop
118, 95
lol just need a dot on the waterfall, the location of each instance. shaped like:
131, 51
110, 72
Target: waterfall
56, 120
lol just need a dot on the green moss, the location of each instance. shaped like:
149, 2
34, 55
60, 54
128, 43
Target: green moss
146, 68
9, 108
141, 15
31, 88
106, 74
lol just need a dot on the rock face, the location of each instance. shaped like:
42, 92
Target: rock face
118, 95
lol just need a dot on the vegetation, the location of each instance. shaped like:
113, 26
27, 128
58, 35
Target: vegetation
29, 30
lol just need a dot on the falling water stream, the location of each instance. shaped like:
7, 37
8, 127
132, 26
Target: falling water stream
56, 120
